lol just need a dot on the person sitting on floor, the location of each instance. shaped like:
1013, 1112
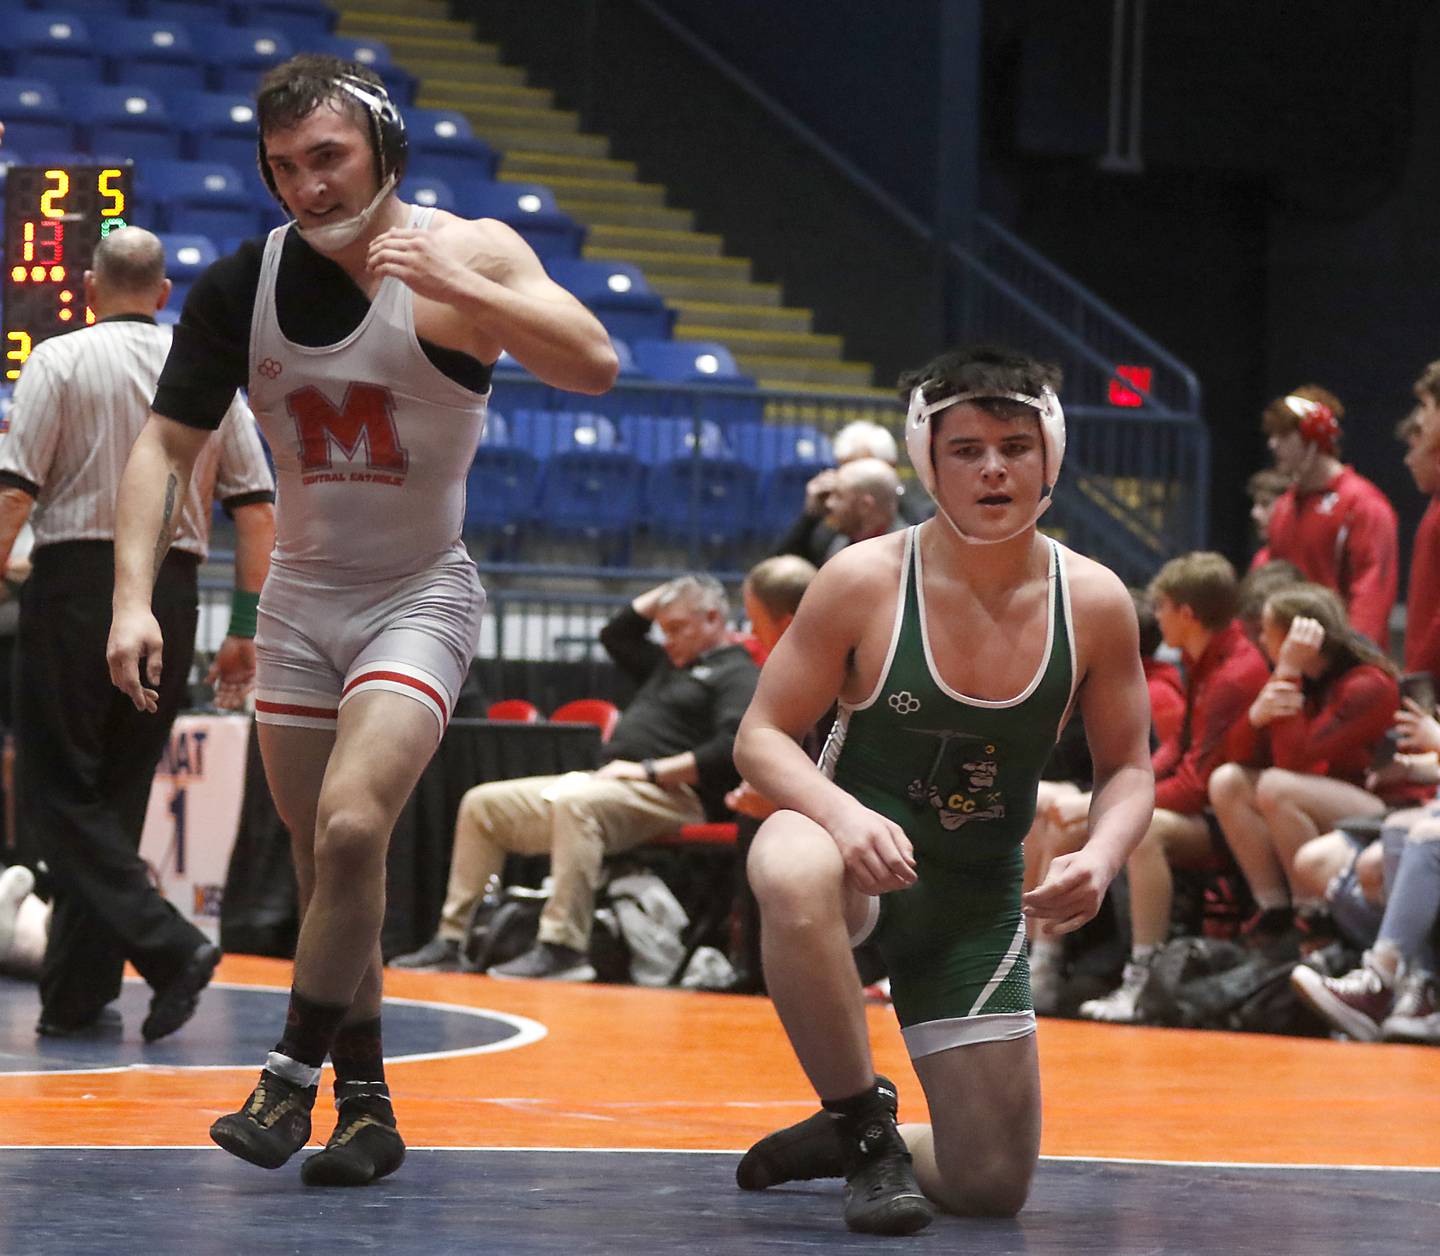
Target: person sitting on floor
667, 764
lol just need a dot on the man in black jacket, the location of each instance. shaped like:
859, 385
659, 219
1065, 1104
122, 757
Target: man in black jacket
668, 763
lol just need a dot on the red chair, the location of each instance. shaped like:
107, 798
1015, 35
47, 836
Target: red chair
516, 709
605, 715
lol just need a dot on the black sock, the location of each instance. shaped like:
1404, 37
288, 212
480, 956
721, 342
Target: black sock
359, 1058
309, 1029
869, 1104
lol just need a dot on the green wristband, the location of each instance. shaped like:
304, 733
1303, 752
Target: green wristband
243, 608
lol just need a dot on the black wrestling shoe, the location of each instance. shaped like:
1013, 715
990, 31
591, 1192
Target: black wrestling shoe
174, 1003
365, 1146
881, 1194
803, 1152
106, 1023
272, 1126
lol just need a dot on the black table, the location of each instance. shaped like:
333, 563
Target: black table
260, 913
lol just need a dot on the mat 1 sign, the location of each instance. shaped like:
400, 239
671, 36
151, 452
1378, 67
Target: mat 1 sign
194, 813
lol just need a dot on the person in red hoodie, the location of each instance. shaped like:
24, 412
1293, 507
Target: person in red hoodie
1332, 523
1421, 433
1195, 598
1299, 759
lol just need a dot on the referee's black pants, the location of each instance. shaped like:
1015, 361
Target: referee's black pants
84, 762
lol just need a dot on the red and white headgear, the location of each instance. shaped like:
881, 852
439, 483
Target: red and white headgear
921, 448
1317, 423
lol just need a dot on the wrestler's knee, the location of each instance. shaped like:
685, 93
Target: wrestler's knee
997, 1186
350, 841
796, 878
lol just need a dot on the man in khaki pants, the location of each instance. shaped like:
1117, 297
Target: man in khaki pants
667, 763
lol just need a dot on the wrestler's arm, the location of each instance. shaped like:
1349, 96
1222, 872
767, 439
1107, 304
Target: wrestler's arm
1115, 704
487, 272
800, 682
152, 493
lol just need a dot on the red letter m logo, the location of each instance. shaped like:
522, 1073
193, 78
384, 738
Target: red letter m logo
368, 415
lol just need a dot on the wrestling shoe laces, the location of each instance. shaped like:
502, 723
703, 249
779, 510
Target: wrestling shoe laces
271, 1126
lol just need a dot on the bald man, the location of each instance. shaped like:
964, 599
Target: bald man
85, 758
864, 501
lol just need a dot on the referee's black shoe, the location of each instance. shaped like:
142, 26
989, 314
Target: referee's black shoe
175, 1002
881, 1194
365, 1146
273, 1124
810, 1149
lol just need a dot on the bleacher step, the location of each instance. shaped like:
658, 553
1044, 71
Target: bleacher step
726, 269
593, 212
399, 31
624, 239
601, 191
420, 8
474, 78
487, 117
482, 94
539, 167
573, 143
787, 372
674, 286
738, 315
765, 341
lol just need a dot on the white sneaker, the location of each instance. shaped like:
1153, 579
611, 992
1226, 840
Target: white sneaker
15, 884
1047, 976
1120, 1006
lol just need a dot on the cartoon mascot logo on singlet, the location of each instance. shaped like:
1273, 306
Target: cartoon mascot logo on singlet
365, 418
975, 795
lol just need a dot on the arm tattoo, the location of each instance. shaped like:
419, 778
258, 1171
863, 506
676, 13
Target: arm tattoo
167, 522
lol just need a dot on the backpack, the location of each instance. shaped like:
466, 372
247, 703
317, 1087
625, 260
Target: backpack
1207, 983
504, 925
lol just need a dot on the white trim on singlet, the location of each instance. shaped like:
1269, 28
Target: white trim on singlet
910, 548
932, 1037
1003, 970
422, 216
1056, 573
269, 285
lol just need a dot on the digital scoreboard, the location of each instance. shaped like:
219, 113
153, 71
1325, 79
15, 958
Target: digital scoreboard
54, 217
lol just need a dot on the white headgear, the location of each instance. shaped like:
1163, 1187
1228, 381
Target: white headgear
920, 447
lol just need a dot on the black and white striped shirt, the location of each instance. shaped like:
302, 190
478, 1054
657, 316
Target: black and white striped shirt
79, 406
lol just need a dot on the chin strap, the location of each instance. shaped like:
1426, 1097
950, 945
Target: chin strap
334, 236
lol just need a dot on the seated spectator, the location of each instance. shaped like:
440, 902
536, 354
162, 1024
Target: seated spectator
1392, 994
1420, 432
667, 764
1256, 587
862, 500
1195, 598
772, 592
1264, 489
1062, 807
813, 536
1332, 522
1300, 757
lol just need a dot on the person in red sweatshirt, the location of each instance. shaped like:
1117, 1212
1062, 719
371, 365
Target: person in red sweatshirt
1332, 523
1421, 433
1298, 761
1195, 597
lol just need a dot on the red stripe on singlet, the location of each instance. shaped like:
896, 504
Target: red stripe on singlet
401, 679
289, 708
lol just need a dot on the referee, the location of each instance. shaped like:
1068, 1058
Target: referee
85, 757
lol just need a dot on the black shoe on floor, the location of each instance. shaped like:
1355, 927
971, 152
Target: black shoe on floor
881, 1194
803, 1152
439, 955
272, 1126
365, 1146
174, 1003
106, 1023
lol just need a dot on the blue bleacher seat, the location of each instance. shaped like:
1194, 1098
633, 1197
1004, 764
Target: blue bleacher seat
766, 446
120, 118
197, 197
595, 494
187, 255
529, 208
709, 499
155, 53
35, 119
654, 439
441, 144
500, 489
420, 189
296, 18
211, 11
55, 46
546, 433
782, 490
238, 56
628, 369
616, 292
372, 54
84, 8
689, 362
218, 126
